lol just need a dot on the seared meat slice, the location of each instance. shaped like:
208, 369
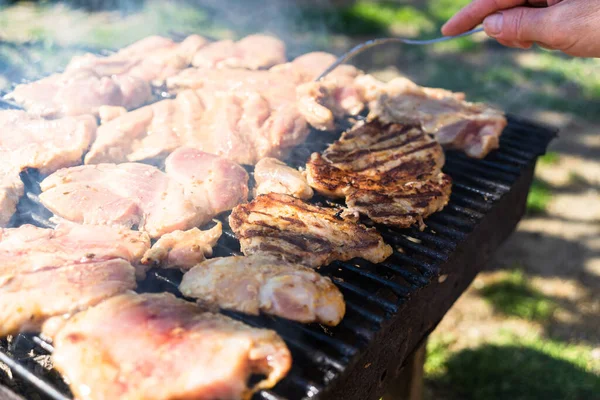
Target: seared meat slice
152, 59
183, 249
471, 127
196, 187
11, 189
252, 52
273, 176
50, 272
288, 228
258, 283
80, 92
391, 173
27, 141
156, 347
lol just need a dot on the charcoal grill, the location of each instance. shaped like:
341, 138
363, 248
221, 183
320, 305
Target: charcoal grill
391, 307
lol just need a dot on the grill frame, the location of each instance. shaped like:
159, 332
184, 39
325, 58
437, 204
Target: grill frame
392, 306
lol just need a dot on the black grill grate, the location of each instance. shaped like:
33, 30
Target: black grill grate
377, 296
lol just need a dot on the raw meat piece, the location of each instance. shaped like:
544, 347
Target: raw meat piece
50, 272
273, 176
258, 283
156, 347
183, 249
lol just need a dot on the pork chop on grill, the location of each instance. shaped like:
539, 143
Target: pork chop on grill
261, 283
389, 172
31, 142
456, 124
274, 176
288, 228
196, 187
183, 249
50, 272
156, 347
252, 52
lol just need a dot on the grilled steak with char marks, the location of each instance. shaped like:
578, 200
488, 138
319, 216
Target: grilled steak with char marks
283, 226
391, 173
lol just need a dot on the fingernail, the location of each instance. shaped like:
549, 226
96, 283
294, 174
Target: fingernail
493, 24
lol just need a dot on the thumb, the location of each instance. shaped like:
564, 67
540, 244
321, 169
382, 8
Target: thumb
521, 24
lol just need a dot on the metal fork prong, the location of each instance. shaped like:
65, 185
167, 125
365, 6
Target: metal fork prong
377, 42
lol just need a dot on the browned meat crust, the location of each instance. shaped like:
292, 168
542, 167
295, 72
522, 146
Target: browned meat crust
286, 227
391, 173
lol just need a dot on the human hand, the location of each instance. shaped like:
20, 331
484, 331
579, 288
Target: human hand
571, 26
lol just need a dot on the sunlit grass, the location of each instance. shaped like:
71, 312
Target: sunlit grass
550, 158
514, 296
514, 366
539, 197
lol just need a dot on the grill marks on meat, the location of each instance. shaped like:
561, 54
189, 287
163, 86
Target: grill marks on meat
471, 127
252, 52
391, 173
285, 227
183, 249
274, 176
196, 187
50, 272
258, 283
30, 142
155, 346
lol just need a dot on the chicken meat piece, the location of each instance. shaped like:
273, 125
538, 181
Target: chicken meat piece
474, 128
183, 249
27, 141
252, 52
164, 348
273, 176
257, 283
152, 59
196, 187
80, 92
51, 272
11, 190
288, 228
391, 173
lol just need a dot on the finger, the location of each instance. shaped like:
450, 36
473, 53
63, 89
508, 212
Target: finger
474, 13
515, 44
520, 24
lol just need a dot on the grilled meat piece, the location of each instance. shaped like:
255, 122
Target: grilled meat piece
273, 176
471, 127
183, 249
391, 173
30, 142
196, 187
285, 227
258, 283
252, 52
155, 347
50, 272
79, 92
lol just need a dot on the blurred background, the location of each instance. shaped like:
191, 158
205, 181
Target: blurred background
529, 326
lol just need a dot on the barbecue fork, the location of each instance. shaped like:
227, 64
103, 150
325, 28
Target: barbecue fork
377, 42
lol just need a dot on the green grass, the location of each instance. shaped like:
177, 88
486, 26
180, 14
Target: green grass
514, 296
511, 366
539, 197
576, 178
550, 158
